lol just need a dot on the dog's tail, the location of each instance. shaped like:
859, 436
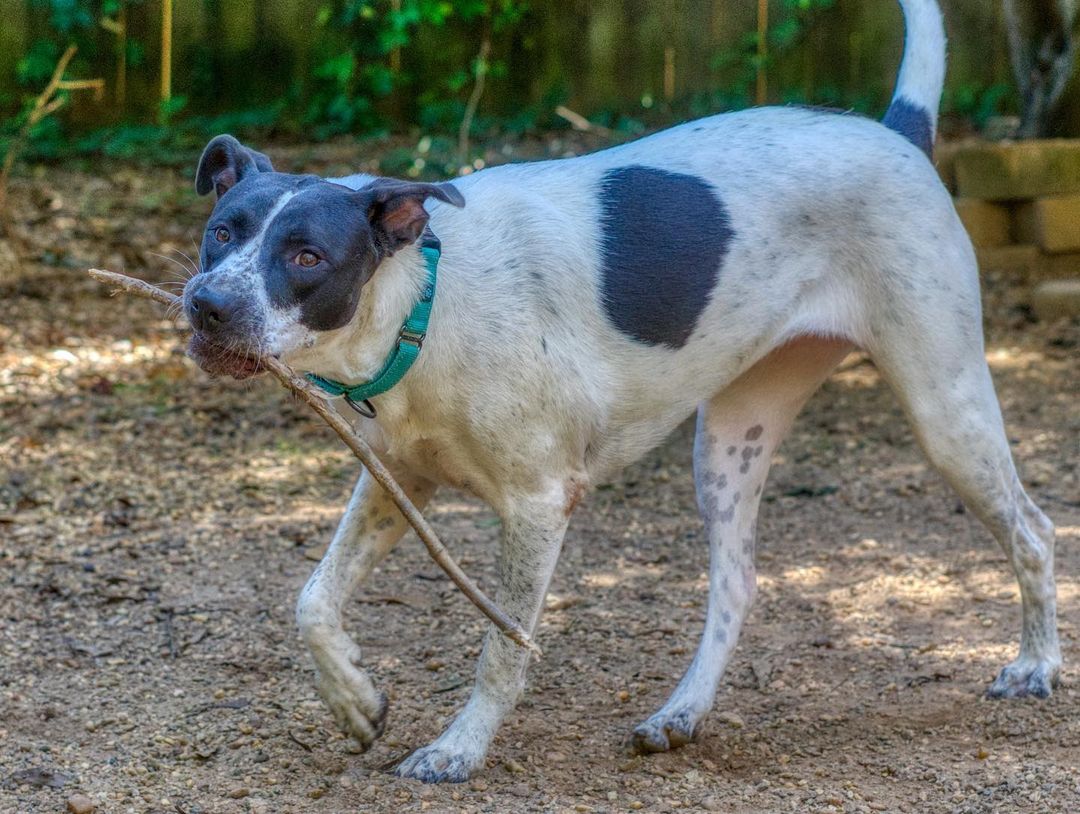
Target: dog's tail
913, 111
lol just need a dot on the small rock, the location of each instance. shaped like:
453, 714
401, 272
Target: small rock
80, 804
239, 792
558, 603
1055, 299
315, 553
732, 719
45, 778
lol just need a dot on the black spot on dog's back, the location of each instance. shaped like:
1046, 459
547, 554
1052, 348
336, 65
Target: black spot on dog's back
664, 237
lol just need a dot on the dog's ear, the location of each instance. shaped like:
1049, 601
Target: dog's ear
395, 209
226, 161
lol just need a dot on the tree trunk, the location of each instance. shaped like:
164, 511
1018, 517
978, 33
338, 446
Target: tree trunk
1043, 53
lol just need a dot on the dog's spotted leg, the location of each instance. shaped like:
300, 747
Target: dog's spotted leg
372, 525
532, 534
737, 432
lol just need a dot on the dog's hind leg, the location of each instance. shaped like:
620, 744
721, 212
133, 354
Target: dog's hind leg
372, 525
936, 364
737, 431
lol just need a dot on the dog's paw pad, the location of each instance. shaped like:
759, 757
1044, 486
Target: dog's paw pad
357, 708
647, 738
1023, 679
662, 733
434, 765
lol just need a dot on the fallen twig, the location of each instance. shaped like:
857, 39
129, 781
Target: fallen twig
474, 101
46, 103
315, 400
579, 122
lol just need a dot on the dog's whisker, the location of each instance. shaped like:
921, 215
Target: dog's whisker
194, 267
175, 262
175, 276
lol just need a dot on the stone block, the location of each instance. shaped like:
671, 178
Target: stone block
1056, 299
1025, 263
1058, 266
1019, 170
988, 224
1018, 262
1053, 224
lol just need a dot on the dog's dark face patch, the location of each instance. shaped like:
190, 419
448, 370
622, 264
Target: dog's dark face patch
663, 241
317, 254
309, 241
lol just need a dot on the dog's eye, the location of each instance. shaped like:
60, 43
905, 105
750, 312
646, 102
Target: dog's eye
307, 259
221, 235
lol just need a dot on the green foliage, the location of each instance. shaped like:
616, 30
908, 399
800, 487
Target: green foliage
737, 68
371, 66
67, 16
353, 74
977, 103
37, 65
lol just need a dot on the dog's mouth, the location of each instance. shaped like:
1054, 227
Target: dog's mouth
219, 360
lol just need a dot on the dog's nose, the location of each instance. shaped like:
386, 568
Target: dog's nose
210, 309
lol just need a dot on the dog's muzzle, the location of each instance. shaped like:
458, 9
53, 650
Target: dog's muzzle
225, 341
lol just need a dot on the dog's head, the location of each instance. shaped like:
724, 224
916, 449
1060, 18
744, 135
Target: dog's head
284, 257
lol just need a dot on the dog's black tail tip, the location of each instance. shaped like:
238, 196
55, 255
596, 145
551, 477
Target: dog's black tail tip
913, 122
914, 109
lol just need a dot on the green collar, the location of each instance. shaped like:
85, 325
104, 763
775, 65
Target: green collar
409, 343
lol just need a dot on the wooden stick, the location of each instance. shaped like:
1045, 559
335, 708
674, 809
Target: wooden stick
166, 54
317, 402
762, 93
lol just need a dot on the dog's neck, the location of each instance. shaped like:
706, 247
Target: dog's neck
357, 352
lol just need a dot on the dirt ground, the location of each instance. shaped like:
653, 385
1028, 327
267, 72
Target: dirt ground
156, 527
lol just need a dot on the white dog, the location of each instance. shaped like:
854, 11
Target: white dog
580, 310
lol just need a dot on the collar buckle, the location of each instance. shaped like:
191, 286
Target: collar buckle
412, 337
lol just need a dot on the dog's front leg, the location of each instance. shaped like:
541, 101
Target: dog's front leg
372, 525
532, 535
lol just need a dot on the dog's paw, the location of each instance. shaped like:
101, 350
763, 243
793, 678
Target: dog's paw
662, 732
1025, 677
358, 708
434, 764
